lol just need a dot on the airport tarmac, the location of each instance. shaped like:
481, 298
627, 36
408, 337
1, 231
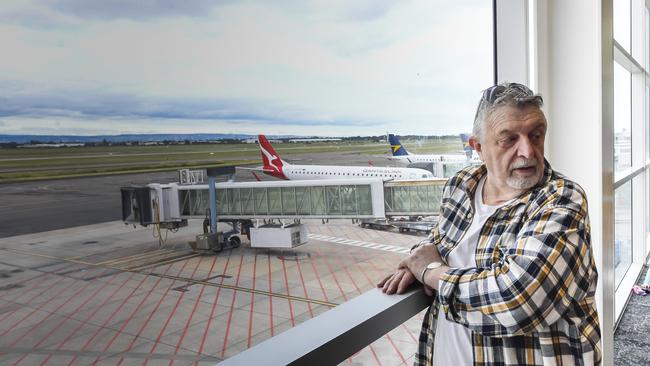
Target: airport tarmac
107, 294
29, 207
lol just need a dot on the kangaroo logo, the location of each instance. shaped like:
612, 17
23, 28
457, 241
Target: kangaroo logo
271, 158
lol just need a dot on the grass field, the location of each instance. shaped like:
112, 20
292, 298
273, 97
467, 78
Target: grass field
24, 164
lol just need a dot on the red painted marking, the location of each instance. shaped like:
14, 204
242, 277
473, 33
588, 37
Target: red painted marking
408, 331
286, 284
387, 335
196, 304
311, 260
232, 307
304, 288
62, 320
329, 267
171, 315
135, 311
85, 321
214, 306
270, 297
155, 309
112, 314
47, 287
121, 328
46, 302
250, 315
401, 356
74, 295
65, 267
374, 354
345, 268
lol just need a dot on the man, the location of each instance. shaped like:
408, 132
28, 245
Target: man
510, 259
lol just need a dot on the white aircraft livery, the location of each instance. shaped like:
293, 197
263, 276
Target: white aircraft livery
400, 153
276, 167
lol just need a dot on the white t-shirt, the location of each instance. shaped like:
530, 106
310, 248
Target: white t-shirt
453, 343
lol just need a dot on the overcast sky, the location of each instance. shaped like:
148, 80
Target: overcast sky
321, 67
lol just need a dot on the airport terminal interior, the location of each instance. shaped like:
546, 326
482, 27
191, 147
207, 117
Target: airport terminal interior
289, 273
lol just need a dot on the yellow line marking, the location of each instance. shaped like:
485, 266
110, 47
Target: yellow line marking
245, 289
186, 279
151, 265
134, 257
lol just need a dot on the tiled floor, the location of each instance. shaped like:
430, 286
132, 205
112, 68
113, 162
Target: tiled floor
107, 294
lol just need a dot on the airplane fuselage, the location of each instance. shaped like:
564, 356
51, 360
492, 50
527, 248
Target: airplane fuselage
436, 158
295, 172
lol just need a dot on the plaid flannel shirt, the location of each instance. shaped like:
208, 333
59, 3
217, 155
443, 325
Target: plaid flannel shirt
530, 298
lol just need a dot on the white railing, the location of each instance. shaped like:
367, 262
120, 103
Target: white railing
337, 334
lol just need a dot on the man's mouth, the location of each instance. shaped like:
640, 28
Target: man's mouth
526, 170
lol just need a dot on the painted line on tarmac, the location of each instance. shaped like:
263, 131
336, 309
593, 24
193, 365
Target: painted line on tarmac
360, 244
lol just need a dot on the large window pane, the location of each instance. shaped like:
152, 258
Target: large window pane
647, 38
622, 118
622, 23
622, 231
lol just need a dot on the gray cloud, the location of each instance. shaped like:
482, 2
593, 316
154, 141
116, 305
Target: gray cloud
95, 105
134, 10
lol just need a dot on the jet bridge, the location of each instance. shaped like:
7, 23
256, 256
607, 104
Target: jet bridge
247, 204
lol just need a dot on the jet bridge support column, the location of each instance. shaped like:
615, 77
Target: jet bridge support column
215, 240
213, 203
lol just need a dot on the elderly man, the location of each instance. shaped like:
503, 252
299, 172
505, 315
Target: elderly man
510, 260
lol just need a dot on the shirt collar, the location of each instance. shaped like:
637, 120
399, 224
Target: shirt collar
475, 174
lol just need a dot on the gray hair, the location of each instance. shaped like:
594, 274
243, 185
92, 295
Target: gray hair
500, 95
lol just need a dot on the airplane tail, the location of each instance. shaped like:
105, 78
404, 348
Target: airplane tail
468, 149
273, 165
396, 147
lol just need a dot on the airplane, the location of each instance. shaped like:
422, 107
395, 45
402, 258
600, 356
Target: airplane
276, 167
400, 154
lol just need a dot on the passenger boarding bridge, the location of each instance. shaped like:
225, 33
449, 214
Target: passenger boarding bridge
338, 333
252, 204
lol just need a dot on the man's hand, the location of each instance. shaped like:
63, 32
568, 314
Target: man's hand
420, 258
397, 282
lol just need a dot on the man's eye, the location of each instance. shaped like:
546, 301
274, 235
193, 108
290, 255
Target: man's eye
508, 140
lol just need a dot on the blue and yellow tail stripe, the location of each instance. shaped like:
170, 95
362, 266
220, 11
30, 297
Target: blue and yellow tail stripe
396, 148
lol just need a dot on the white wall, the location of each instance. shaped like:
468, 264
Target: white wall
575, 58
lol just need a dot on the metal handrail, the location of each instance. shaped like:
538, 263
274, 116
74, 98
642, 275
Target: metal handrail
337, 334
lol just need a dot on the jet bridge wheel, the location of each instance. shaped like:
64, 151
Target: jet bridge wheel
234, 241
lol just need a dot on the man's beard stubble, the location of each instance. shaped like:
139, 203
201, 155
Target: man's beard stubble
523, 182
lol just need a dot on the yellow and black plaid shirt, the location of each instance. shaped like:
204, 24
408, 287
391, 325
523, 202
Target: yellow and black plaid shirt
530, 298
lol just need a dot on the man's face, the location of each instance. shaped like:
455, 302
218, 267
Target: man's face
512, 147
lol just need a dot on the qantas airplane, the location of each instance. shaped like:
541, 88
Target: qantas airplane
276, 167
400, 154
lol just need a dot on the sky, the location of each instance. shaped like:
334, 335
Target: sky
300, 67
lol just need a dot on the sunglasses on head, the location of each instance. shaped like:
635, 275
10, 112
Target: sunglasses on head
492, 93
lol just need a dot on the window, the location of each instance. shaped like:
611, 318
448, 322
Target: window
631, 145
622, 119
622, 231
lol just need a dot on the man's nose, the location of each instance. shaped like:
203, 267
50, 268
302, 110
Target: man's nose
525, 147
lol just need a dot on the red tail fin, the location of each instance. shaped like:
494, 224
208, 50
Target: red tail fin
272, 162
